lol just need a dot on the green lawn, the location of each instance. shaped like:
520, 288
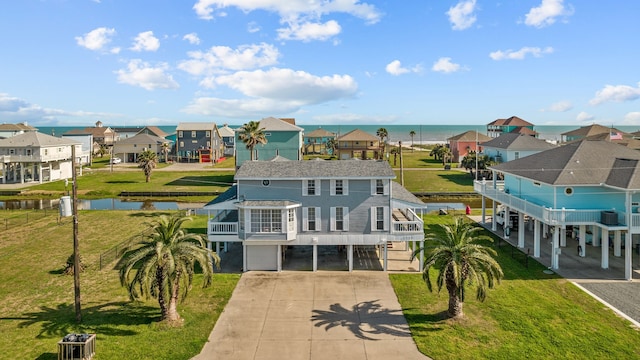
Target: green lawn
529, 315
436, 181
36, 300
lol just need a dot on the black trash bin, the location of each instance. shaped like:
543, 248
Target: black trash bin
77, 347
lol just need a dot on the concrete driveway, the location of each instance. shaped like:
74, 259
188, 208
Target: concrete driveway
312, 315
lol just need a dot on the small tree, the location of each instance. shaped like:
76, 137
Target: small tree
331, 146
69, 268
383, 134
412, 134
147, 160
460, 261
251, 134
165, 150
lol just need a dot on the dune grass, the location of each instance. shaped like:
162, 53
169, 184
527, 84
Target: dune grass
37, 301
529, 315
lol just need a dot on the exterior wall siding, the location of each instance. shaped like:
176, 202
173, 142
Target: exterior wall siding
287, 144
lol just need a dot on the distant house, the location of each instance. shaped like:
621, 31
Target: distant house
129, 149
315, 142
591, 187
284, 139
278, 204
510, 125
467, 142
589, 131
85, 155
9, 130
198, 142
357, 144
127, 132
103, 136
34, 156
514, 146
228, 139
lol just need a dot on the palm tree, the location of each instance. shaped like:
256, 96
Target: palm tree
383, 134
331, 146
251, 135
147, 160
412, 134
460, 261
165, 150
162, 267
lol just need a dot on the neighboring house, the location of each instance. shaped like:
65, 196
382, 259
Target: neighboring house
128, 149
85, 155
198, 142
33, 156
357, 144
315, 142
586, 132
153, 130
513, 146
9, 130
228, 139
277, 204
103, 136
467, 142
510, 125
284, 139
589, 187
127, 132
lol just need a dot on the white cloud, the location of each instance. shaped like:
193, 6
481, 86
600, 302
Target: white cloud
632, 118
546, 13
192, 38
462, 15
274, 91
520, 54
16, 110
310, 31
253, 27
221, 58
96, 39
395, 68
445, 65
583, 116
617, 93
142, 74
560, 106
145, 41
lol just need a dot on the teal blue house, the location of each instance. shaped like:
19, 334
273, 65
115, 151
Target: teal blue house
587, 190
284, 139
315, 142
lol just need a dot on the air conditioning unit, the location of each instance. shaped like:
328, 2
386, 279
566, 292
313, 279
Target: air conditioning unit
609, 217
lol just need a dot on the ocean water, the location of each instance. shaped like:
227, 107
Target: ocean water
424, 133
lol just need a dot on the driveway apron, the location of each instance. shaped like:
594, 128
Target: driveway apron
312, 315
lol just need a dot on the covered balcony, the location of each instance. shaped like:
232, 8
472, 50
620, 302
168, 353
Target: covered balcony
406, 221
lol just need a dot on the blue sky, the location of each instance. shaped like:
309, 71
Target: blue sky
126, 63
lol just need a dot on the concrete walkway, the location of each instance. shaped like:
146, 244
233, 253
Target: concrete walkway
312, 315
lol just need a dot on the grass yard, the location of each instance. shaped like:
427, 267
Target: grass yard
105, 184
37, 301
436, 181
529, 315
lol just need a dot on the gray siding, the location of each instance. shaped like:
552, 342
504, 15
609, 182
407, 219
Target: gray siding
359, 201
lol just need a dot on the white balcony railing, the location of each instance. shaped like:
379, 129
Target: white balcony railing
550, 215
411, 224
223, 228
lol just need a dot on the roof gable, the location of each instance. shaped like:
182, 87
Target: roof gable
273, 124
470, 135
36, 139
357, 135
512, 121
326, 169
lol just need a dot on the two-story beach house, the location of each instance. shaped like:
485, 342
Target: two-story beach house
128, 149
277, 204
315, 142
284, 139
9, 130
463, 144
512, 124
198, 142
589, 187
357, 144
34, 156
228, 139
513, 146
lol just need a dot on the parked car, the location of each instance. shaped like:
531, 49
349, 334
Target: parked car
513, 218
116, 160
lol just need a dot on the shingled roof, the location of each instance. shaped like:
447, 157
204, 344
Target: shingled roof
517, 142
512, 121
357, 135
585, 162
36, 139
273, 124
470, 135
590, 130
328, 169
319, 133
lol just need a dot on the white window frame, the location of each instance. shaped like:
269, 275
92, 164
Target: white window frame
305, 218
345, 218
265, 221
374, 218
180, 134
193, 134
345, 187
374, 187
207, 134
316, 187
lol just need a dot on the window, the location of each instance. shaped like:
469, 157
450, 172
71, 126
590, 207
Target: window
265, 182
266, 221
568, 191
207, 134
339, 187
180, 134
13, 151
46, 151
193, 134
379, 187
310, 187
516, 155
208, 144
291, 219
379, 218
181, 144
339, 219
311, 219
28, 152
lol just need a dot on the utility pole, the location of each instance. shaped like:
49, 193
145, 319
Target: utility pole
476, 155
401, 167
76, 252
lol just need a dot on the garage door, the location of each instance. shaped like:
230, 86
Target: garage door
262, 257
